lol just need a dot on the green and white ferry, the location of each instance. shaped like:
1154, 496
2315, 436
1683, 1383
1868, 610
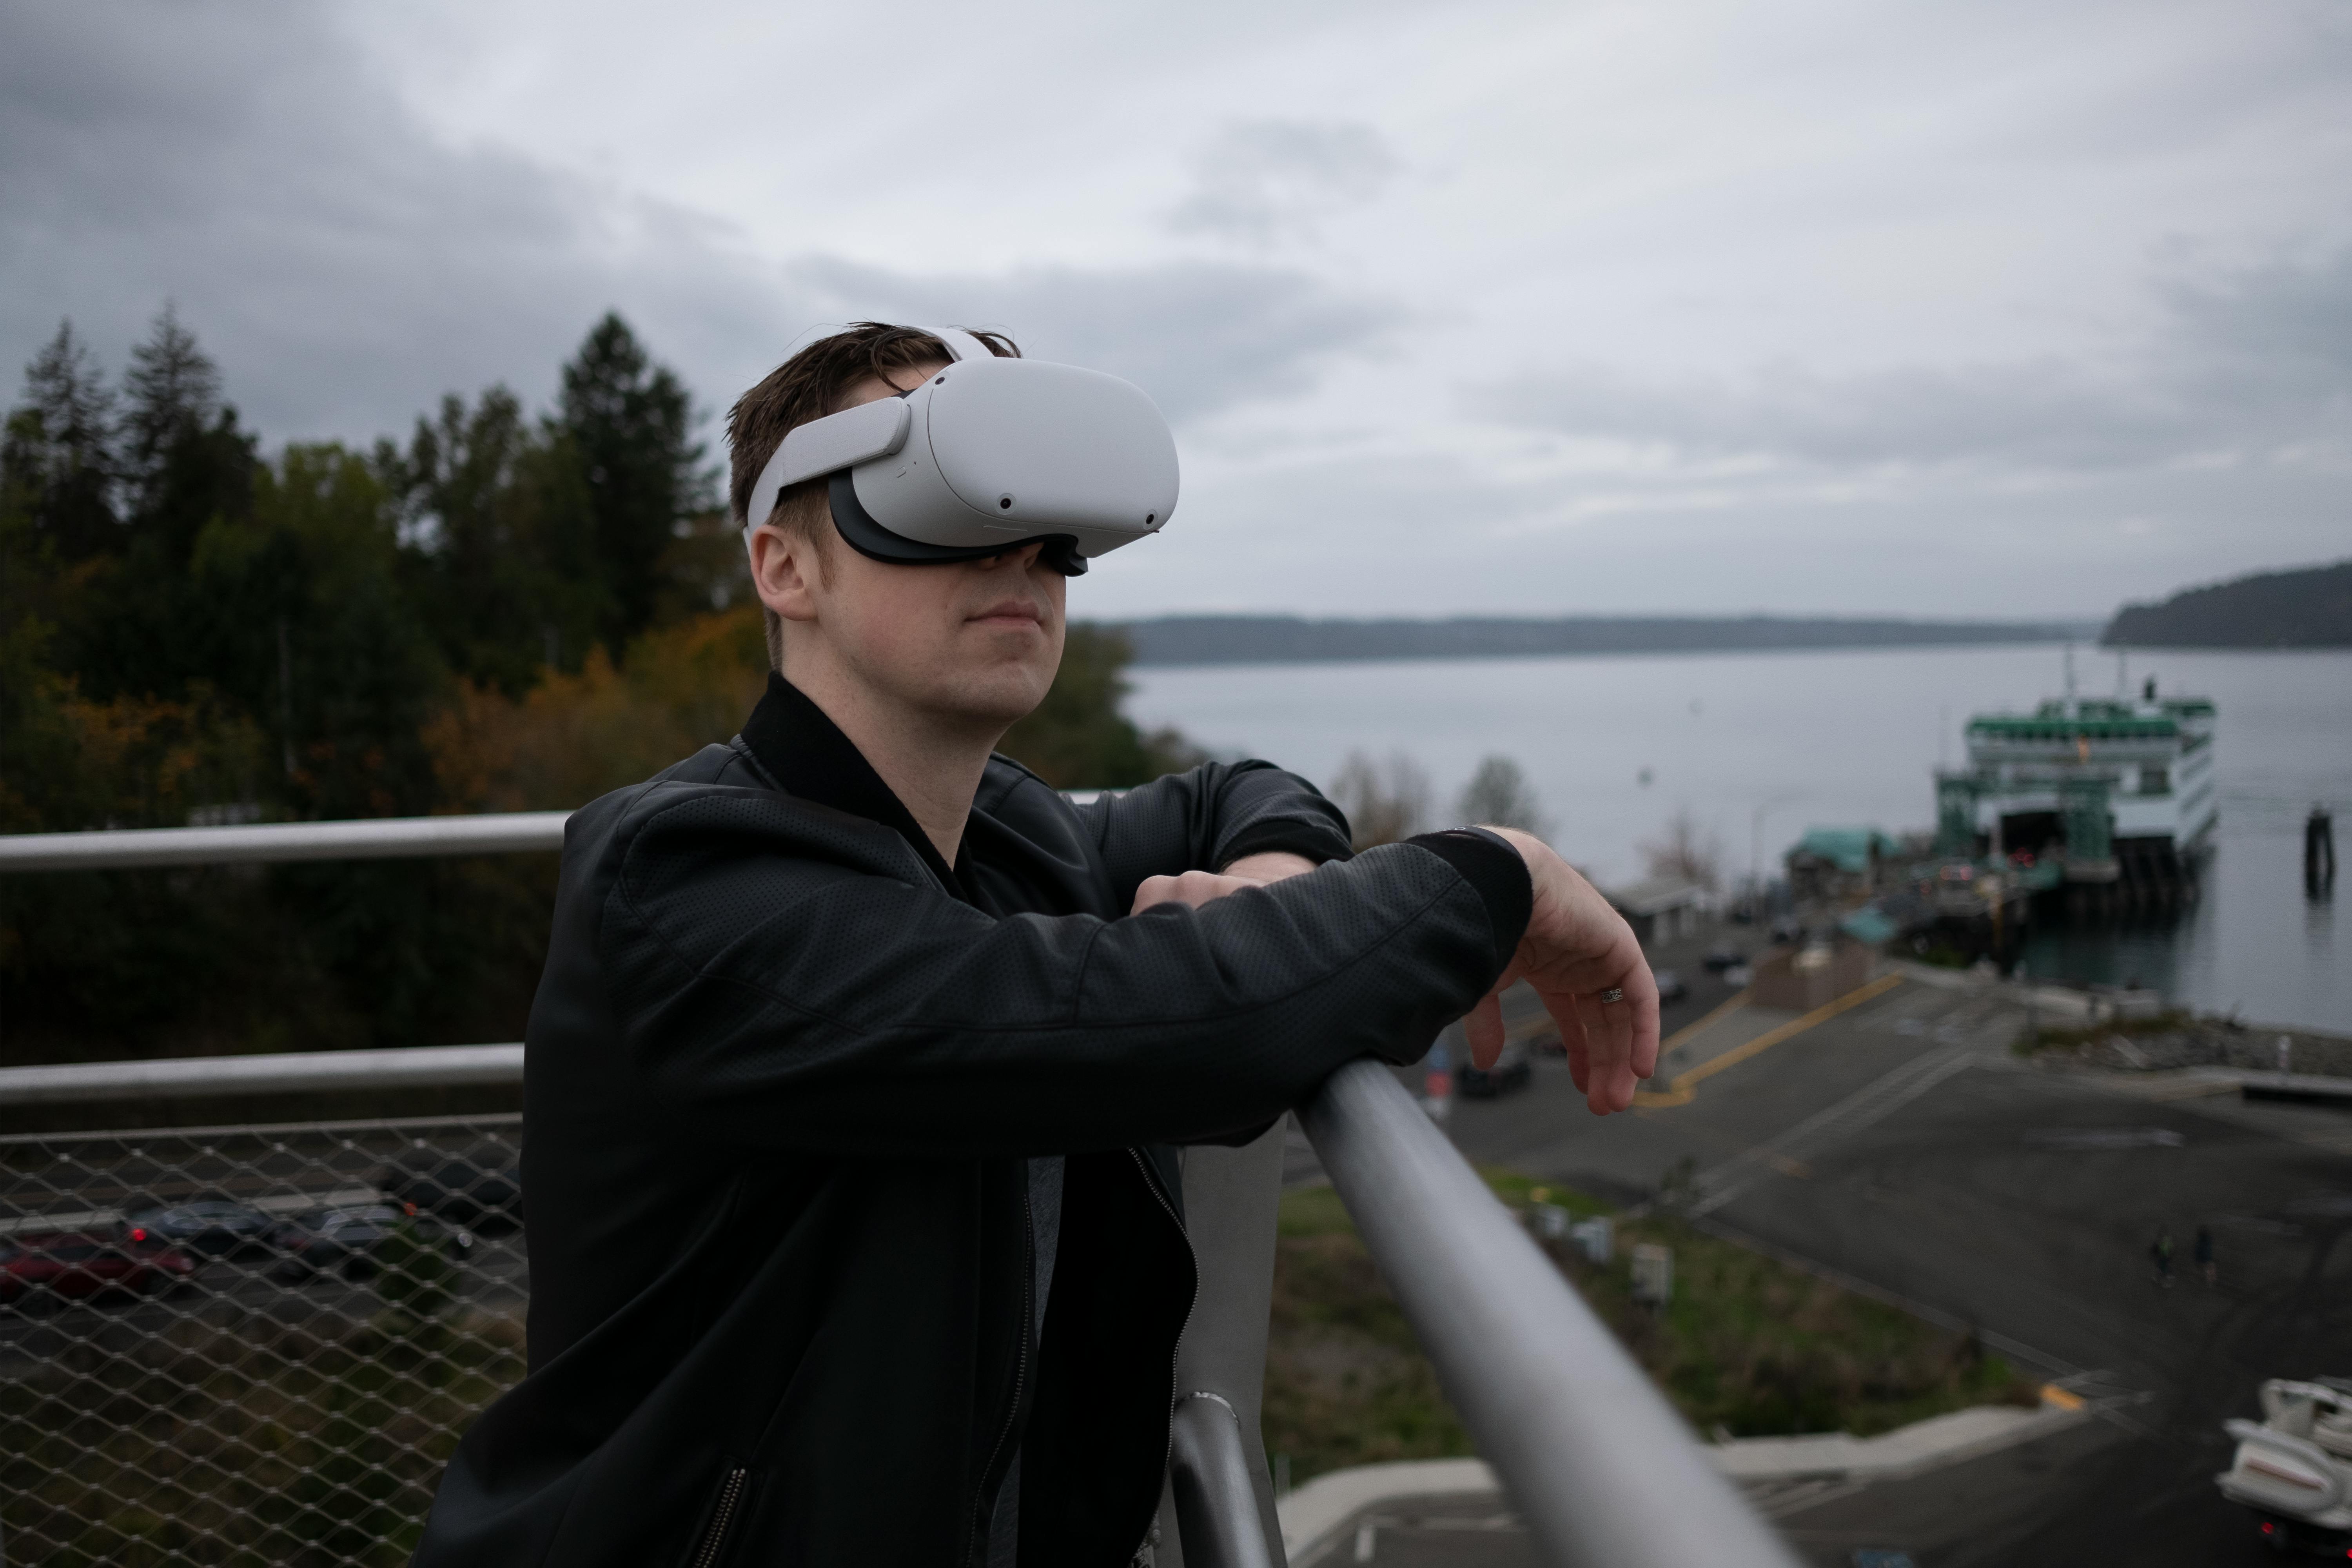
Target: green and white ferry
2112, 798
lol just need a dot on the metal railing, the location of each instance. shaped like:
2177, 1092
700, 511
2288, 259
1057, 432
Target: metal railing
196, 1078
253, 1408
377, 838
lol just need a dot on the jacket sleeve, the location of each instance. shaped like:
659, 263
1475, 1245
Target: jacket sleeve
769, 990
1208, 818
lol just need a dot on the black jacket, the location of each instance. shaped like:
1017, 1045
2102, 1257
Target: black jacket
781, 1070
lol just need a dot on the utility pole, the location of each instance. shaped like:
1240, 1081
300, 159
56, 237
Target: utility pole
286, 696
1756, 852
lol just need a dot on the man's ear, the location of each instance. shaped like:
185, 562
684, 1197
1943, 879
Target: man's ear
785, 572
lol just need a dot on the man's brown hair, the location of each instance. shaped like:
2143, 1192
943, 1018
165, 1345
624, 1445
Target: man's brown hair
810, 386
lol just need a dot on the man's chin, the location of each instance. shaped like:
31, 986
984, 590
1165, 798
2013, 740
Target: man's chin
990, 704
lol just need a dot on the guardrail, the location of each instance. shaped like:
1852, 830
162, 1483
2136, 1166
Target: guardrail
377, 838
374, 838
194, 1078
1593, 1458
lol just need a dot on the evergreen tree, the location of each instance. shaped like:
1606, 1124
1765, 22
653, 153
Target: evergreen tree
308, 630
500, 558
630, 424
174, 394
139, 625
57, 459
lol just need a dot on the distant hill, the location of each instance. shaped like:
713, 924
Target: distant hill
2309, 609
1275, 639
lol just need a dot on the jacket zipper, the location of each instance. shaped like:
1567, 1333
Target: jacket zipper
715, 1537
1151, 1183
1020, 1367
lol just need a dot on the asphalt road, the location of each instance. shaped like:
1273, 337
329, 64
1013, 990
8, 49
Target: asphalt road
1902, 1144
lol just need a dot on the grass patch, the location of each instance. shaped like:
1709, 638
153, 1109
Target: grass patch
1749, 1344
266, 1447
1346, 1383
2170, 1022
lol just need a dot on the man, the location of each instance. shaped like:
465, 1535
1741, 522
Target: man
855, 1225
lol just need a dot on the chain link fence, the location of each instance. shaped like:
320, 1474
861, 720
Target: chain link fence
249, 1345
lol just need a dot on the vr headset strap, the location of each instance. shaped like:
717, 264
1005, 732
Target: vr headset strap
842, 440
961, 343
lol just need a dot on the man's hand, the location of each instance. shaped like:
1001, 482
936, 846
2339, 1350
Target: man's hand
1576, 947
1197, 888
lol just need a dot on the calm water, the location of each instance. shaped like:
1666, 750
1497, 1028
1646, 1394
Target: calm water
1758, 747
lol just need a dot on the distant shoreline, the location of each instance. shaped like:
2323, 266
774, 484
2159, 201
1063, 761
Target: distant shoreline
2308, 609
1167, 640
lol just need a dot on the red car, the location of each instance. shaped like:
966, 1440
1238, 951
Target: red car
84, 1263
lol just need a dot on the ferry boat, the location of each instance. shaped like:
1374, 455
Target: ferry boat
2113, 799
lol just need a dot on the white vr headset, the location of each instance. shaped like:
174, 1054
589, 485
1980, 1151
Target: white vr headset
986, 455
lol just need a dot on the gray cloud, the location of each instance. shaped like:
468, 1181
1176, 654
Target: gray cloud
2041, 413
346, 268
2279, 332
1417, 533
2243, 358
1199, 337
1259, 182
343, 269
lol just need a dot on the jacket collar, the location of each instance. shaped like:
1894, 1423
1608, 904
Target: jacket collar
805, 752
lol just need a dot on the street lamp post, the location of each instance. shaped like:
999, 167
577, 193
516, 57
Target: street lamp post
1755, 850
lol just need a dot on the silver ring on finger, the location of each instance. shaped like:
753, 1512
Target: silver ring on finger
1614, 993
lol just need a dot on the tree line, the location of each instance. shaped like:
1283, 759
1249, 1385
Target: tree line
502, 611
2307, 607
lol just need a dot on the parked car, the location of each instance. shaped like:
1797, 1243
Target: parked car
209, 1228
1670, 985
1723, 958
478, 1189
1510, 1073
346, 1240
81, 1265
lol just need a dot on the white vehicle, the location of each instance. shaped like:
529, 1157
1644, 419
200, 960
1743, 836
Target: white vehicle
2295, 1469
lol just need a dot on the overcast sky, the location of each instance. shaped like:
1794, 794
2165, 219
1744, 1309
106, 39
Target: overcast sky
2003, 309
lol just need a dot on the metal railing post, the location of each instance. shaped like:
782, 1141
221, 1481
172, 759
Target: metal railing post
1594, 1459
1221, 1492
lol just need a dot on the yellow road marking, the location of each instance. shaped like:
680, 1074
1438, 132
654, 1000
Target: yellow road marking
1731, 1005
1543, 1023
1683, 1087
2063, 1398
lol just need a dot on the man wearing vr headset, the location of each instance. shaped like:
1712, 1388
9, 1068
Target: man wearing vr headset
853, 1076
